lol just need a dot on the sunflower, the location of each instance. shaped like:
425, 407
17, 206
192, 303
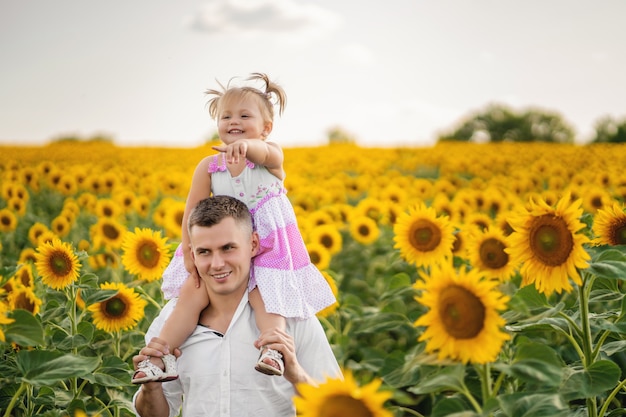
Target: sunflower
28, 255
24, 275
121, 312
141, 204
107, 207
320, 256
595, 198
17, 205
146, 253
67, 185
364, 229
546, 244
57, 265
328, 236
609, 225
8, 220
372, 208
333, 287
462, 323
107, 232
486, 251
422, 237
24, 298
35, 231
4, 309
342, 397
61, 226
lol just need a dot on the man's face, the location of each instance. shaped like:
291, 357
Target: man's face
222, 254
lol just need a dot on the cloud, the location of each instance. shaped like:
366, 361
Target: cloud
302, 21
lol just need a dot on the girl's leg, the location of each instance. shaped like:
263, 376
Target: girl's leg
266, 321
184, 318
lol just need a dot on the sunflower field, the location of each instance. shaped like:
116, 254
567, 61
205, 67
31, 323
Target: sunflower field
471, 279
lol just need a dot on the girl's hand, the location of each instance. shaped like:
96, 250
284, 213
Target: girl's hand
234, 151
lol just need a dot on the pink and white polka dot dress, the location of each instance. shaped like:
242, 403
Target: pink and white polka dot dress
289, 283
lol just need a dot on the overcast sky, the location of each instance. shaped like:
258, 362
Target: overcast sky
392, 72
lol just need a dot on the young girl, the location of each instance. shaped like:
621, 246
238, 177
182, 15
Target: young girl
283, 281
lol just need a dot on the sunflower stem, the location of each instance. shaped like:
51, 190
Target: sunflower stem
485, 381
471, 399
140, 290
584, 291
14, 399
611, 396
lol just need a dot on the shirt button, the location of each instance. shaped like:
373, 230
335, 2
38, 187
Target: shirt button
241, 194
238, 181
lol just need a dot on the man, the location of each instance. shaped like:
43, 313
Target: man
216, 363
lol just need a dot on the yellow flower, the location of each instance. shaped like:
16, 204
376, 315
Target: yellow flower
146, 253
320, 256
61, 226
364, 229
328, 236
8, 220
422, 237
462, 322
28, 255
333, 286
24, 298
609, 225
107, 232
487, 252
121, 312
546, 244
342, 397
57, 265
4, 309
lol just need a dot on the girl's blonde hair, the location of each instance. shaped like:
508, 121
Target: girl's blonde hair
267, 98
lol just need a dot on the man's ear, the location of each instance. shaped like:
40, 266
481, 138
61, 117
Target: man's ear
254, 243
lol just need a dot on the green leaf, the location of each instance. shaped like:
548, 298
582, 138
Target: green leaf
400, 280
534, 363
596, 380
534, 405
453, 406
38, 367
612, 348
26, 330
611, 263
449, 378
113, 372
96, 295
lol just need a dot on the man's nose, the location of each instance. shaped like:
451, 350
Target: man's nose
217, 261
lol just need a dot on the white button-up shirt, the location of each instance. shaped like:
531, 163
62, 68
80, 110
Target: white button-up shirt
217, 375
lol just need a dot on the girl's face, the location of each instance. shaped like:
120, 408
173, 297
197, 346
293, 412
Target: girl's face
241, 118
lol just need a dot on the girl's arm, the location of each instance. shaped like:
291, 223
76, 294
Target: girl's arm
258, 151
199, 190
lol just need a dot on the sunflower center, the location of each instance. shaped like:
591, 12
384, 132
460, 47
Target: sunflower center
619, 234
114, 307
492, 254
25, 303
425, 236
148, 254
344, 405
327, 241
364, 230
550, 240
461, 312
110, 232
60, 264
